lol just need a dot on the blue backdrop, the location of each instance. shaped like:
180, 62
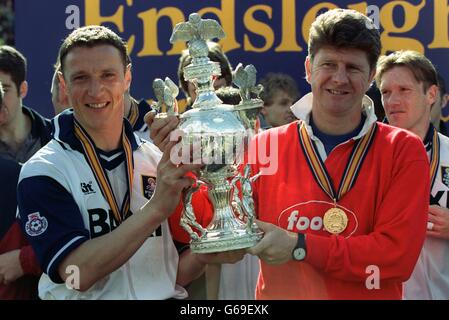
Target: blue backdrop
272, 35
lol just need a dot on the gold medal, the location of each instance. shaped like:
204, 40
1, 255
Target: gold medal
335, 221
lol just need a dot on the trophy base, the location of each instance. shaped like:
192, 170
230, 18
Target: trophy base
218, 242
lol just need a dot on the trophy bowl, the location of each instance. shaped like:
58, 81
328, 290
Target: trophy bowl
218, 135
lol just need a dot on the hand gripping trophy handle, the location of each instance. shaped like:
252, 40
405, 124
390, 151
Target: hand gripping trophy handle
218, 130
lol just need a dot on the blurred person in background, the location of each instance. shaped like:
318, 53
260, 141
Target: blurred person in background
279, 93
216, 54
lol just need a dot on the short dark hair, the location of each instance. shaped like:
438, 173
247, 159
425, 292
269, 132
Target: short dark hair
273, 82
216, 54
344, 28
229, 95
91, 36
421, 67
13, 63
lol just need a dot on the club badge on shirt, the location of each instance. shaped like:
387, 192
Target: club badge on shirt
36, 225
148, 186
445, 176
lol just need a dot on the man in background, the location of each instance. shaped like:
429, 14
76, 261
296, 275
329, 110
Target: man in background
409, 86
279, 93
22, 132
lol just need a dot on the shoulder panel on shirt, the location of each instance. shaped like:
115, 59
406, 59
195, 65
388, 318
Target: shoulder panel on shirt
51, 161
51, 220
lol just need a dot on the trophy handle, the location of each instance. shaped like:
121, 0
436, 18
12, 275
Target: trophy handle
244, 207
165, 93
236, 203
188, 217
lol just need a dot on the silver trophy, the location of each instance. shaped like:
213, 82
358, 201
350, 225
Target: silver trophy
220, 133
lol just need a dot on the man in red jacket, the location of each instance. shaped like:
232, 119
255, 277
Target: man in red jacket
345, 213
347, 219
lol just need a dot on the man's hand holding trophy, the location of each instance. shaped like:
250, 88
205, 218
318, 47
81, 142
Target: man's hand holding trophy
215, 135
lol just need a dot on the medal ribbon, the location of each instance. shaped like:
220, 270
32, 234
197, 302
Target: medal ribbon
434, 157
100, 174
359, 151
133, 113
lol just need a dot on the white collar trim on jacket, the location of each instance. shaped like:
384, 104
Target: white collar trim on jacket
303, 108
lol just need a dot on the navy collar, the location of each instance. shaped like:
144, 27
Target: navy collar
331, 141
40, 126
429, 137
143, 107
63, 131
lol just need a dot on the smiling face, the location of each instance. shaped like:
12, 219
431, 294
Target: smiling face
339, 79
95, 81
406, 103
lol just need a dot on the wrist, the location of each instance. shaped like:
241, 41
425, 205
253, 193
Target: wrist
300, 250
155, 212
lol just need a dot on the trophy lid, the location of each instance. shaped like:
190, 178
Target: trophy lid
197, 31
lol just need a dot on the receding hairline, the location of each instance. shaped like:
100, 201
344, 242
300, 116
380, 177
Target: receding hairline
92, 47
90, 37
